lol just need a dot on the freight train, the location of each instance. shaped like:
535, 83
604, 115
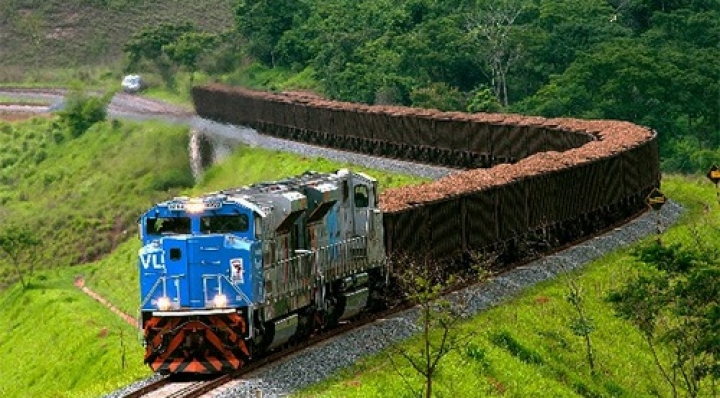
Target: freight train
228, 276
233, 274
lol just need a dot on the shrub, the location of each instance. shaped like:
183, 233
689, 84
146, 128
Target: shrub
478, 354
82, 111
614, 389
116, 124
439, 96
40, 156
585, 391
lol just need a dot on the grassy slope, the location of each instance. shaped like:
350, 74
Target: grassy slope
56, 342
76, 350
56, 33
538, 320
78, 195
81, 196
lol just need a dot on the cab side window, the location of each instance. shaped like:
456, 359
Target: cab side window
224, 224
362, 198
168, 225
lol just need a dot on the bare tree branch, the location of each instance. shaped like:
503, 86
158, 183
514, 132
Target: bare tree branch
493, 28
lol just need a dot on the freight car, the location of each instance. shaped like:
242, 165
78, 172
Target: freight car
545, 182
230, 275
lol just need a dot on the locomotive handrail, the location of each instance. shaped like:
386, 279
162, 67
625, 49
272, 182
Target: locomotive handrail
162, 279
220, 277
282, 287
339, 256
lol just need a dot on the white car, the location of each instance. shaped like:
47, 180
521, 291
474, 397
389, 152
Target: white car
132, 83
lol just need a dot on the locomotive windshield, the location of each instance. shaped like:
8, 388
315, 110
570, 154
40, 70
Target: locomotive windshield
221, 224
168, 225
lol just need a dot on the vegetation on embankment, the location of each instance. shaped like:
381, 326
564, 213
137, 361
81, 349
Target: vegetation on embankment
81, 195
58, 342
55, 340
527, 347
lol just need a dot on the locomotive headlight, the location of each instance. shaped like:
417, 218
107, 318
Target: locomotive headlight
163, 303
194, 206
220, 301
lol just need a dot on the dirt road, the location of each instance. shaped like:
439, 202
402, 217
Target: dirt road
29, 102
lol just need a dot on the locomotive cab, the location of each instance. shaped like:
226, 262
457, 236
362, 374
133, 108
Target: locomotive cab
197, 255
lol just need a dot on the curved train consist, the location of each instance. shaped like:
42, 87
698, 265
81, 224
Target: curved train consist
235, 273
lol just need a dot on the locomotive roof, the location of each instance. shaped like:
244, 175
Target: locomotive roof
309, 178
256, 196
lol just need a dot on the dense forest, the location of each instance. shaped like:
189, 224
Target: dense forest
652, 62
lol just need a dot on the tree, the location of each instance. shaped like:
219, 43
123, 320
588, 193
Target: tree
483, 100
582, 324
423, 282
554, 34
148, 43
641, 14
82, 111
16, 245
187, 49
438, 96
263, 23
674, 304
493, 27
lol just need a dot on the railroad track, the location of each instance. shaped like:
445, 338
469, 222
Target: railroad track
186, 389
174, 387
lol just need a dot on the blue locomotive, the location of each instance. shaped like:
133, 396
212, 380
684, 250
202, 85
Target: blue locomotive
230, 275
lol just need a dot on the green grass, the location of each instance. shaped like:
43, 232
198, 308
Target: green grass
81, 196
277, 79
57, 342
543, 357
248, 165
22, 101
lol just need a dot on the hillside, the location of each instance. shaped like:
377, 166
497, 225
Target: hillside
56, 33
80, 196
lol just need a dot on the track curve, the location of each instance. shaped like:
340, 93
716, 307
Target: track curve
530, 183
